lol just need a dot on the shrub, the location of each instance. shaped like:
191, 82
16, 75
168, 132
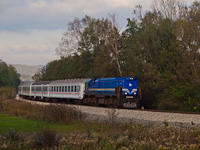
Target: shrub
46, 138
14, 136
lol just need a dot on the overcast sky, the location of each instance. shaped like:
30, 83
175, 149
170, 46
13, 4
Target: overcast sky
30, 30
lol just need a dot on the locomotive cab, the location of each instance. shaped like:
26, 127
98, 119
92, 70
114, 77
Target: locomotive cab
130, 94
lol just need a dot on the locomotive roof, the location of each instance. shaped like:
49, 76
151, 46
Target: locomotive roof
42, 82
70, 81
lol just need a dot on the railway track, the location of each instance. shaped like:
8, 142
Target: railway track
141, 116
101, 106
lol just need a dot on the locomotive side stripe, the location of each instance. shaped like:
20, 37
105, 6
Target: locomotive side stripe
101, 89
111, 89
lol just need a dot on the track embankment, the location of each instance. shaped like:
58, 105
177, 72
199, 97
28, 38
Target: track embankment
136, 116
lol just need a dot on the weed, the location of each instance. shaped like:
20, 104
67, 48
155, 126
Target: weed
165, 123
14, 136
46, 138
112, 116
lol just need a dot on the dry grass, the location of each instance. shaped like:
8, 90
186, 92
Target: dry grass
129, 137
51, 113
7, 92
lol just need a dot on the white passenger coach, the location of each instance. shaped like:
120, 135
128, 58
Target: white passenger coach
66, 89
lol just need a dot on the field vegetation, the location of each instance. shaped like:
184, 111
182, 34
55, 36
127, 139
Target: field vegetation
31, 126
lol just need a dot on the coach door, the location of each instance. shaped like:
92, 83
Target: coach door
42, 90
34, 91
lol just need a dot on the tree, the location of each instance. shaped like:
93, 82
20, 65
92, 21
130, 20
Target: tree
89, 34
8, 75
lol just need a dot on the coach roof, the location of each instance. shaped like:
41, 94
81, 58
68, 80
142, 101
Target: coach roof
69, 81
42, 82
25, 83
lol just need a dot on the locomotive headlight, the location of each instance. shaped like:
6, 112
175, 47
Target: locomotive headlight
134, 92
125, 92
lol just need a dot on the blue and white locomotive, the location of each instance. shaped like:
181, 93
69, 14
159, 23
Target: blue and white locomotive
112, 92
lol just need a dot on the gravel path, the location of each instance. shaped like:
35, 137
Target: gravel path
136, 116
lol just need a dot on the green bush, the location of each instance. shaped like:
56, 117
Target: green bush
180, 99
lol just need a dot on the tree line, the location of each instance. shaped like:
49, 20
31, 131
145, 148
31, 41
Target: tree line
160, 47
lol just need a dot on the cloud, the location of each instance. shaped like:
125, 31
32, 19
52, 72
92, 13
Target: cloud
22, 49
52, 14
33, 47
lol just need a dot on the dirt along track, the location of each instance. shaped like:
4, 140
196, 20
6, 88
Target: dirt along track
131, 115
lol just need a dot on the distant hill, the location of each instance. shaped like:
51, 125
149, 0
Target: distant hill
26, 71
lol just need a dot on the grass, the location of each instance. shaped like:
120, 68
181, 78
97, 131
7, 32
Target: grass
26, 125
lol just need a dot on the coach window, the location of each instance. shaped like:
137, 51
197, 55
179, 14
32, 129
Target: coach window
72, 89
78, 88
75, 89
46, 88
65, 88
68, 88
